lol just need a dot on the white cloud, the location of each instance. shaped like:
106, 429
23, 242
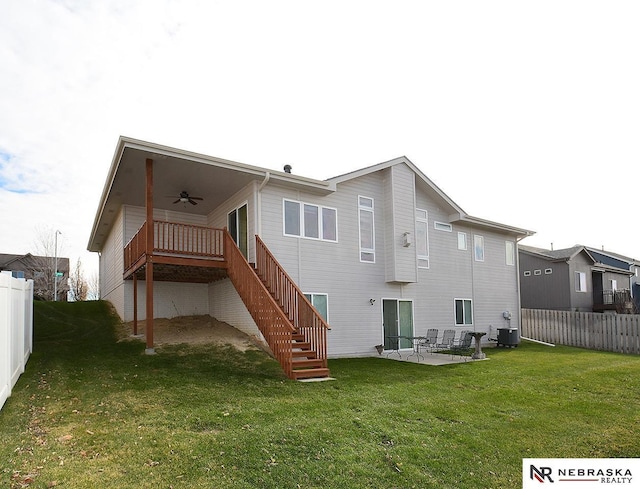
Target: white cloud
524, 113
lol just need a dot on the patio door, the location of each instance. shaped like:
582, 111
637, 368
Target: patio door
238, 228
397, 320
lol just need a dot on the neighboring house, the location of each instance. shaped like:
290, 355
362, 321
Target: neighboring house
380, 252
40, 269
578, 279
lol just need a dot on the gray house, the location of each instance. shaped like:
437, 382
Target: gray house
42, 270
579, 279
348, 263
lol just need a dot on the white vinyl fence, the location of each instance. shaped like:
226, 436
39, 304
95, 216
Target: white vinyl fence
596, 331
16, 330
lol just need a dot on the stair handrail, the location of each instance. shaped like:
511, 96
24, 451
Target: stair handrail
271, 320
295, 304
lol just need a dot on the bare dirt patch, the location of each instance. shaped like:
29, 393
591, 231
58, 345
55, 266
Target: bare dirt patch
192, 330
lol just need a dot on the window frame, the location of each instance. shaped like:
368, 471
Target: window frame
510, 253
465, 241
302, 228
310, 297
423, 220
580, 281
463, 302
443, 226
363, 210
478, 246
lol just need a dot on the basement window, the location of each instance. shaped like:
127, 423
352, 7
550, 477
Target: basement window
321, 303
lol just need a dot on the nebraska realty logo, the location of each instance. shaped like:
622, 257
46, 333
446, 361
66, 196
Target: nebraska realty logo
581, 472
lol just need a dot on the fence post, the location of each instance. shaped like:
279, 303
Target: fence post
5, 338
16, 330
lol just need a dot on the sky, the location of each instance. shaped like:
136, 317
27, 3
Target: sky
524, 113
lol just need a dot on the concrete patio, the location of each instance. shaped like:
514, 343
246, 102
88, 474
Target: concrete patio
427, 358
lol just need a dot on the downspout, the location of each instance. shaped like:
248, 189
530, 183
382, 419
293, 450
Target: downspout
518, 299
258, 216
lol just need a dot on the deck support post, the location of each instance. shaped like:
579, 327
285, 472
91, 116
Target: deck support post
135, 305
149, 253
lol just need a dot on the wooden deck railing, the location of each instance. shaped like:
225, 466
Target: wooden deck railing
270, 319
296, 306
176, 238
135, 248
275, 302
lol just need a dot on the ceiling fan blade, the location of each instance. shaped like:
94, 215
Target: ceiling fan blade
192, 202
175, 202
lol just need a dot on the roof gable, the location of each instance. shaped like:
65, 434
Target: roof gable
456, 213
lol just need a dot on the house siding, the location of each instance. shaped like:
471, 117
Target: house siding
219, 217
111, 265
335, 268
544, 290
399, 213
581, 301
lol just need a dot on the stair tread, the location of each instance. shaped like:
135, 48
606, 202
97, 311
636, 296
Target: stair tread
303, 362
311, 373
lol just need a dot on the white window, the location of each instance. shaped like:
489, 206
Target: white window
537, 272
462, 241
442, 226
422, 238
548, 271
367, 231
614, 285
321, 303
463, 312
510, 252
478, 247
310, 221
527, 273
581, 281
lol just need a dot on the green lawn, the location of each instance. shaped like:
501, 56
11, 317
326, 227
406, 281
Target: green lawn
92, 412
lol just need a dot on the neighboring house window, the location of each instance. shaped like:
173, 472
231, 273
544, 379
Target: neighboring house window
17, 274
510, 252
462, 241
527, 273
367, 231
422, 238
310, 221
548, 271
614, 285
321, 303
478, 247
442, 226
464, 312
581, 281
537, 272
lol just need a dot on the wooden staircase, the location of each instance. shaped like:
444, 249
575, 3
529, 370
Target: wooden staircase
293, 329
305, 363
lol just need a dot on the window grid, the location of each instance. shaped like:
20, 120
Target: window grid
310, 221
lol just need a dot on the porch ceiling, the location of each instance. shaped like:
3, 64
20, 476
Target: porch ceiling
213, 179
172, 175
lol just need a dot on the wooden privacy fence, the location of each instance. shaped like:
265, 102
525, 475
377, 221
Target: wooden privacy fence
16, 330
609, 332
